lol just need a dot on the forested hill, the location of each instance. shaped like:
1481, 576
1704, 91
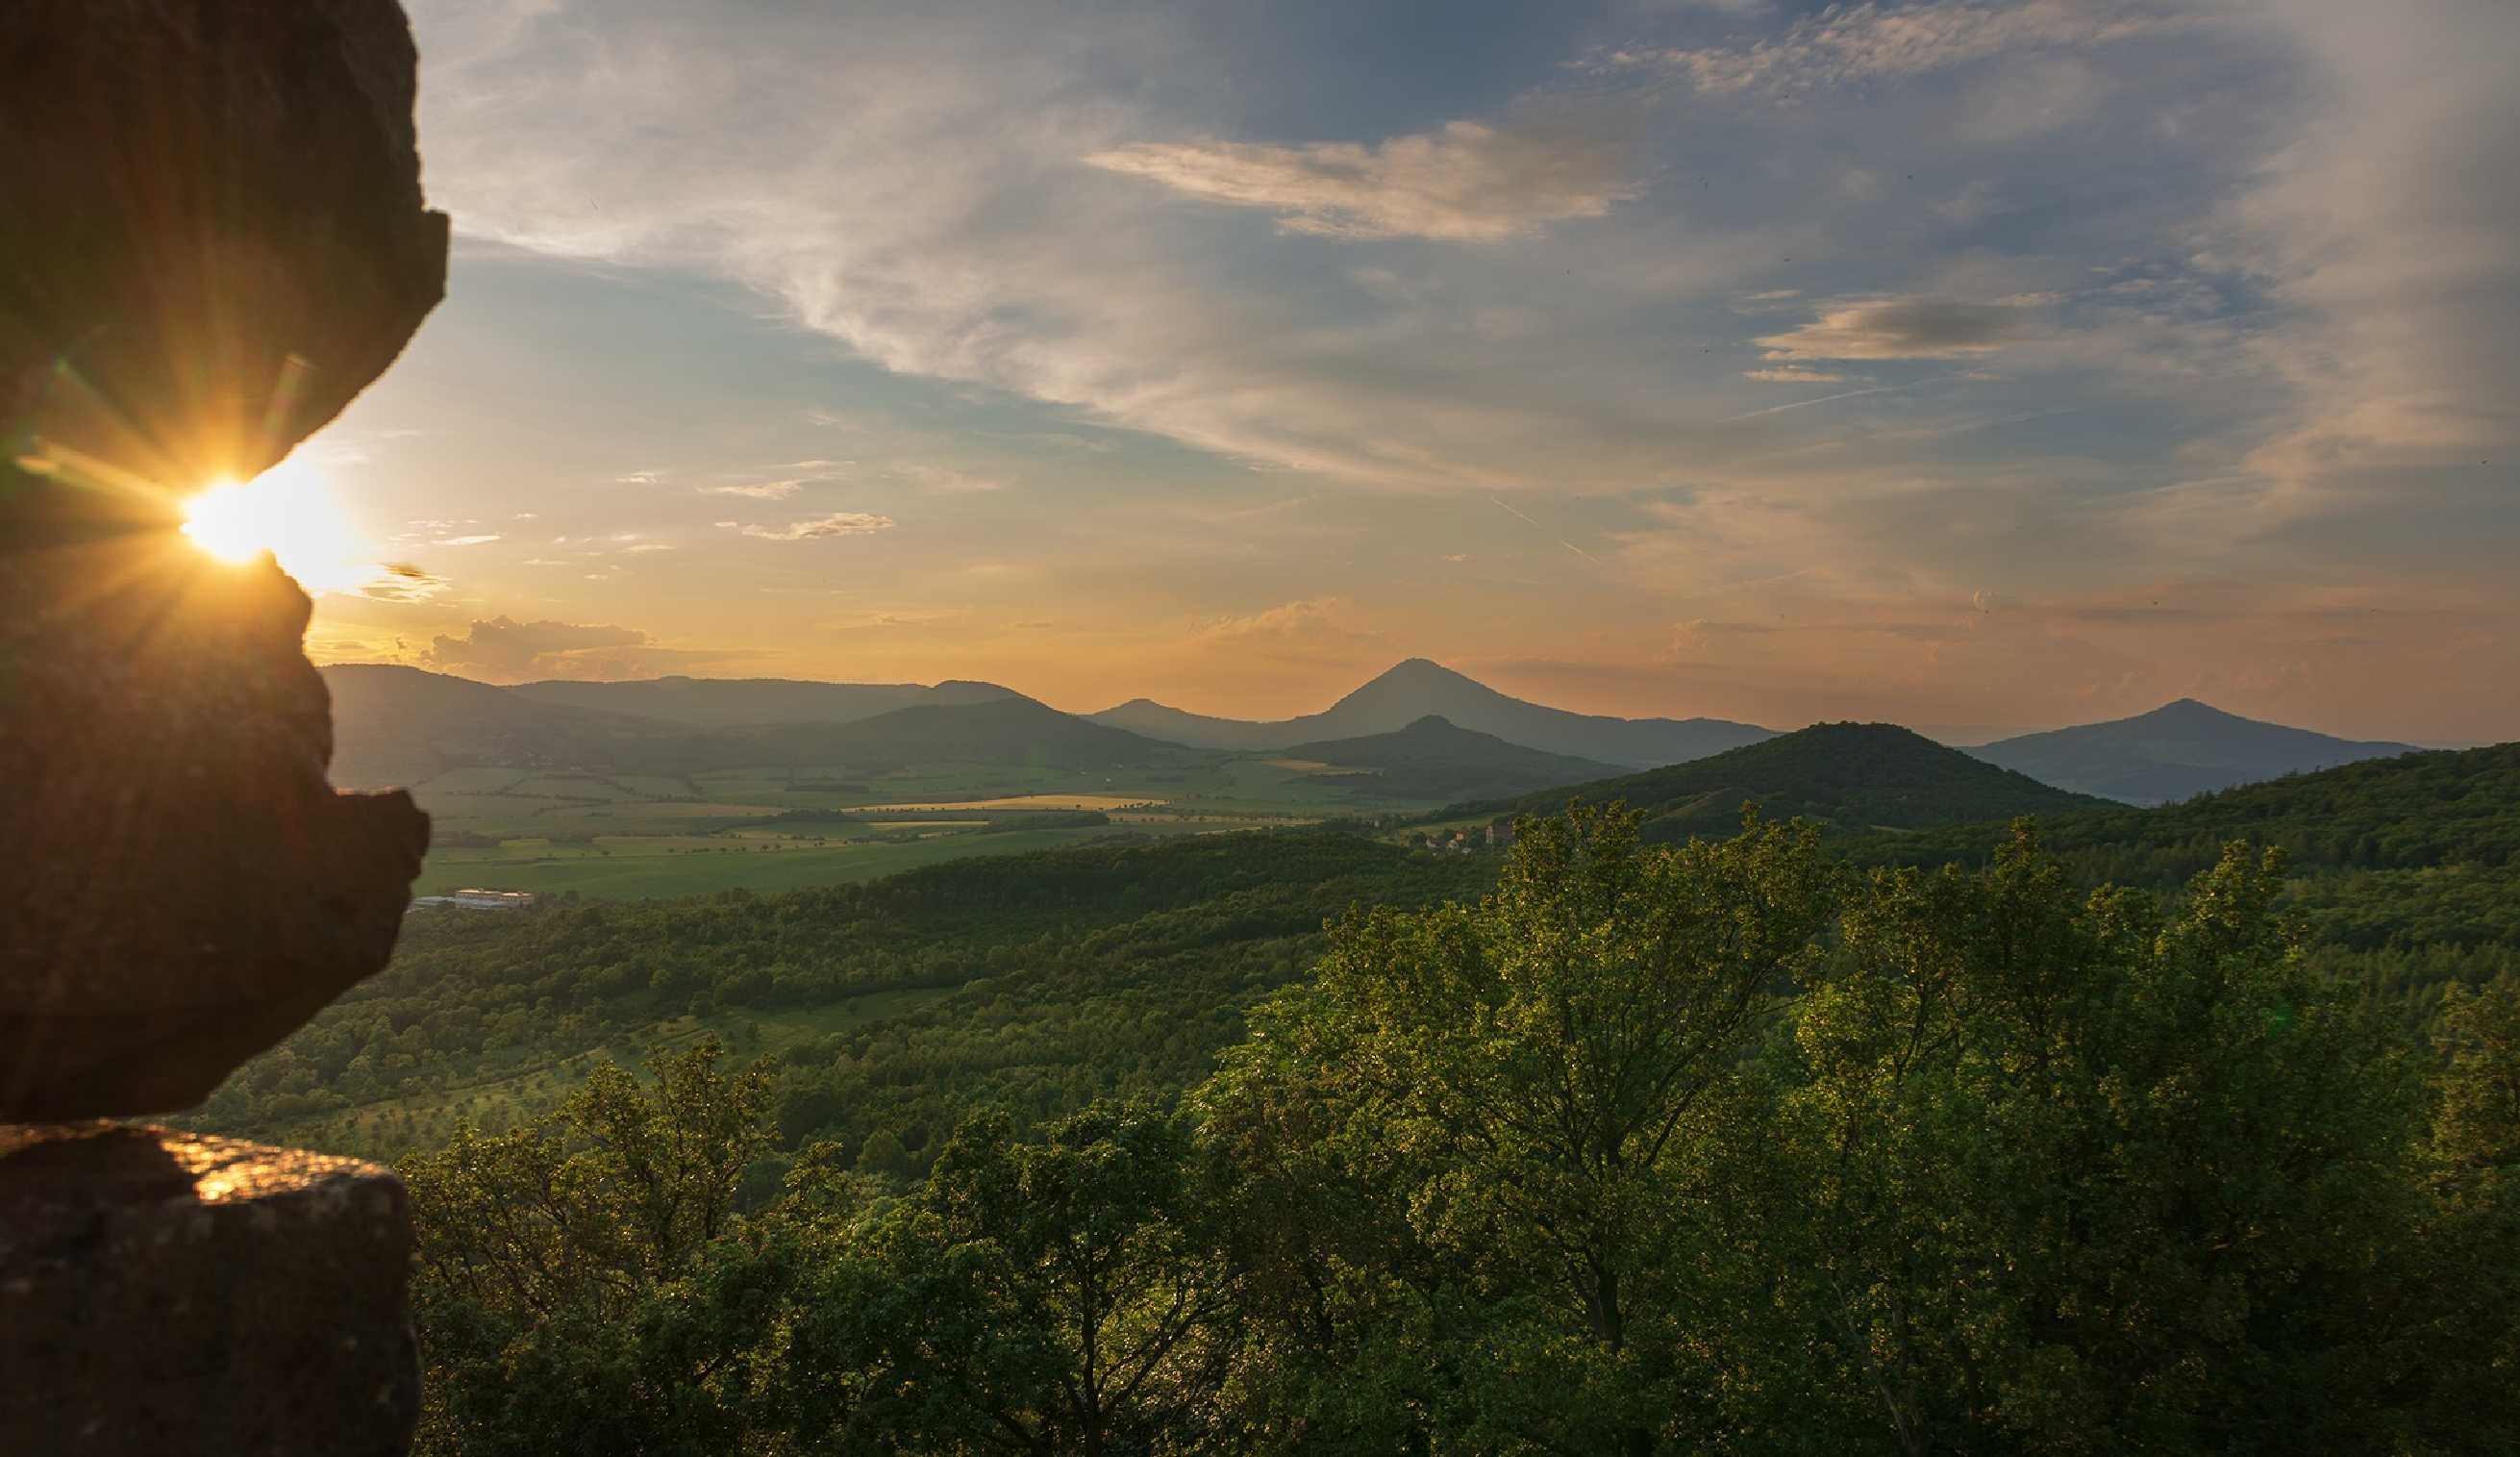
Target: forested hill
1031, 982
1434, 759
1851, 778
2414, 811
1011, 729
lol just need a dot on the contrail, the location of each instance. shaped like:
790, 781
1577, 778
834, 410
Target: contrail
1825, 398
1537, 527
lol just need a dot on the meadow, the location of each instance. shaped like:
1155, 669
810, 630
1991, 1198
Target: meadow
787, 827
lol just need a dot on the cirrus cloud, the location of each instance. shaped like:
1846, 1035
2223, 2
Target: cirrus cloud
1465, 181
837, 523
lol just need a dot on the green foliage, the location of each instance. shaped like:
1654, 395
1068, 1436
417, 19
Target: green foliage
1715, 1148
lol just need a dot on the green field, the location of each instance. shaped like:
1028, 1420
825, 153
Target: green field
648, 836
631, 868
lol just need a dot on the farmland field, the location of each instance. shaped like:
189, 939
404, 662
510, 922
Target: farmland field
785, 826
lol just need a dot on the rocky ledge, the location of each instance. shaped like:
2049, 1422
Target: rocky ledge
163, 1292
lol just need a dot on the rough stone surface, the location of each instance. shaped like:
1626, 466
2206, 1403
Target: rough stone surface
161, 1292
212, 215
211, 220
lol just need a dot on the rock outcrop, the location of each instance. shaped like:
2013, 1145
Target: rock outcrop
211, 217
212, 237
162, 1294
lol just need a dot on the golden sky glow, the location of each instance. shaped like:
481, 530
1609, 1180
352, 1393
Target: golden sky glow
1970, 364
291, 512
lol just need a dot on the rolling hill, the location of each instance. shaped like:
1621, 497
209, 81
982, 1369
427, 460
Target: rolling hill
1417, 689
1434, 759
2174, 751
1009, 730
399, 726
1851, 777
2421, 811
733, 703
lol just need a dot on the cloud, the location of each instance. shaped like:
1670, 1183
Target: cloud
1849, 46
1309, 628
506, 648
1465, 182
762, 490
837, 523
1792, 375
1904, 328
505, 651
477, 539
945, 481
402, 583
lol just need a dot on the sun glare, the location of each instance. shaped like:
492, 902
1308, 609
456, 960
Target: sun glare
290, 512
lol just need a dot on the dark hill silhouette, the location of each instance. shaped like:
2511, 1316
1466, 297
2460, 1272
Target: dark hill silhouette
2177, 750
1434, 759
729, 702
400, 725
1416, 689
1850, 777
1010, 730
397, 725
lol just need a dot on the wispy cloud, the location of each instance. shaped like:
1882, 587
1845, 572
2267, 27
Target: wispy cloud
762, 490
837, 523
1467, 181
1905, 329
1849, 45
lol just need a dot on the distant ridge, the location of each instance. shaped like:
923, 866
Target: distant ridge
400, 726
1850, 777
1416, 689
394, 725
718, 702
2177, 750
1434, 759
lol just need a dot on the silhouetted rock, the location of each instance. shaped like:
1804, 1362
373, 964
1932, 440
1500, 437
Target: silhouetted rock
161, 1292
210, 212
213, 237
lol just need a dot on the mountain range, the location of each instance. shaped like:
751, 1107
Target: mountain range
1416, 689
1418, 731
2175, 752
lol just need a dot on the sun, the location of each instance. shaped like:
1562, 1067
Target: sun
290, 512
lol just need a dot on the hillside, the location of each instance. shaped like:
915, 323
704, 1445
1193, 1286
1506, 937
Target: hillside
1434, 759
399, 726
2174, 751
1035, 981
733, 703
1417, 689
1010, 730
1851, 777
2414, 811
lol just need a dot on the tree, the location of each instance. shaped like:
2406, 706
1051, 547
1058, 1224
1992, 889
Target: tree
1508, 1094
550, 1280
2056, 1175
1068, 1306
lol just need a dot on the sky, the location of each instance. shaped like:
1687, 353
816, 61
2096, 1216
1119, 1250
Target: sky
1982, 367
